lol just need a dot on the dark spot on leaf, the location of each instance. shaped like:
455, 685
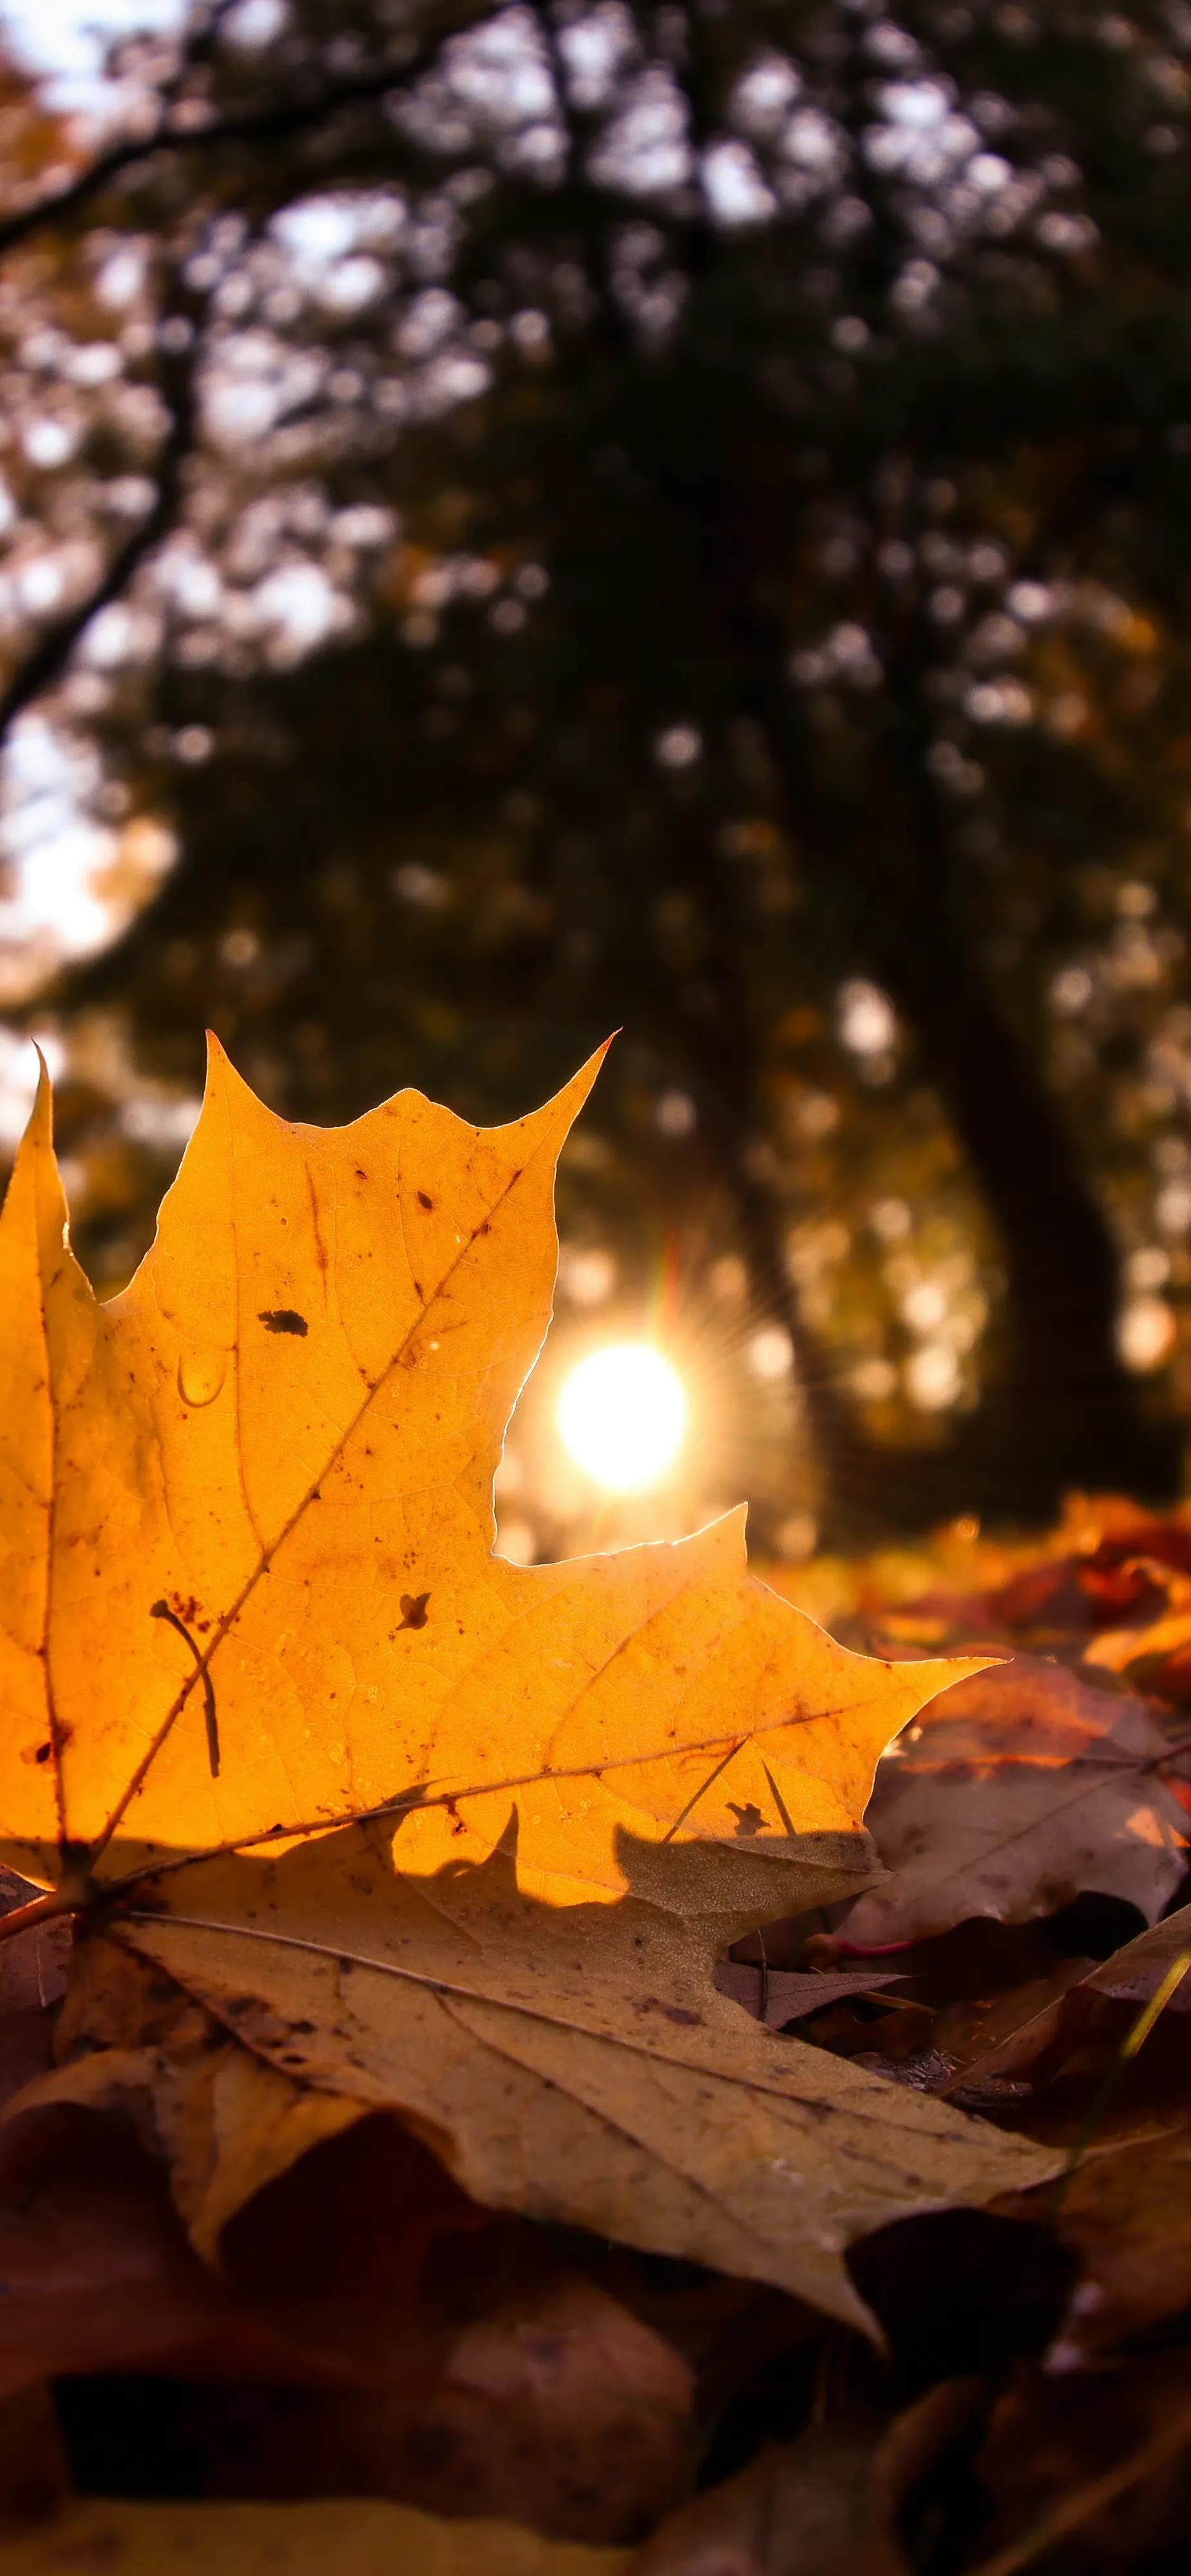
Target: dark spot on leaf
43, 1753
413, 1609
423, 1200
749, 1819
283, 1319
677, 2012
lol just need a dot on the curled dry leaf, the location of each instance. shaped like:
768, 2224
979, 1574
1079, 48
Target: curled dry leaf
1124, 2207
780, 1996
1099, 2007
249, 1600
1019, 1790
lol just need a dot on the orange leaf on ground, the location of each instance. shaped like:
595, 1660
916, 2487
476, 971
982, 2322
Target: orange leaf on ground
352, 1778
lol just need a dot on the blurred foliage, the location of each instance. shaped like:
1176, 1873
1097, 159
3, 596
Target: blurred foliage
529, 520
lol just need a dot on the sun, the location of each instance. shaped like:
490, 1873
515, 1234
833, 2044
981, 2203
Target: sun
622, 1414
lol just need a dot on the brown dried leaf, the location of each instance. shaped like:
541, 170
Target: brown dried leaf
1018, 1790
632, 2098
1097, 2011
780, 1996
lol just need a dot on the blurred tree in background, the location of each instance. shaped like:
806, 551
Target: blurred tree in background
532, 519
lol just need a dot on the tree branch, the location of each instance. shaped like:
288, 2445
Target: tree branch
260, 127
177, 381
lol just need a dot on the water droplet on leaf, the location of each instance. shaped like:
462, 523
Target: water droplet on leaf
200, 1375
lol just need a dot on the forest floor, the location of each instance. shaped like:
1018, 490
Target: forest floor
516, 2398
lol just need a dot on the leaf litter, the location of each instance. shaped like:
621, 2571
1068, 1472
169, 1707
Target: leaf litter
688, 2188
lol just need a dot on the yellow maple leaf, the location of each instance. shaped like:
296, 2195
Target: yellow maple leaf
248, 1585
273, 1698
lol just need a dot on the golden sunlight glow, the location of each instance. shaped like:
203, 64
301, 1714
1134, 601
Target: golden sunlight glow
622, 1414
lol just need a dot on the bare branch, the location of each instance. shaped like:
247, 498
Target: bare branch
176, 384
259, 127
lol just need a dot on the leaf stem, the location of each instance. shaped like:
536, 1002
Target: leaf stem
67, 1898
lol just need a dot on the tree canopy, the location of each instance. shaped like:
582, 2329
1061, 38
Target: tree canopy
527, 520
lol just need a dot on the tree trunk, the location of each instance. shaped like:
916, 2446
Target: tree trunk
1066, 1411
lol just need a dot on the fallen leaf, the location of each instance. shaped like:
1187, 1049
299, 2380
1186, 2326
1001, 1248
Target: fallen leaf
966, 2033
1156, 1656
211, 1523
831, 2503
290, 2540
33, 1968
418, 2348
95, 2269
553, 2405
1019, 1790
32, 1982
780, 1996
917, 2453
1096, 2013
1073, 1597
1126, 2213
579, 2065
574, 2399
1104, 2457
809, 2508
372, 2334
136, 2047
218, 1492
